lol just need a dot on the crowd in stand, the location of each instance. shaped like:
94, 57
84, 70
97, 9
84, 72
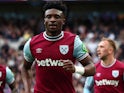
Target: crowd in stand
15, 31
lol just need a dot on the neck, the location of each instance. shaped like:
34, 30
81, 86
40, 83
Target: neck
53, 38
53, 33
108, 61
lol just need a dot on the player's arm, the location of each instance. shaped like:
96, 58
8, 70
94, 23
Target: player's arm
88, 87
10, 80
26, 76
28, 60
88, 66
82, 55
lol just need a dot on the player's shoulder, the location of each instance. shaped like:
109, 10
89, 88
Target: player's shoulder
2, 66
69, 33
120, 63
3, 69
35, 37
97, 64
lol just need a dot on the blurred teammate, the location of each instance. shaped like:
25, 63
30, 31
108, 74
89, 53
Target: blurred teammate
6, 76
109, 77
55, 52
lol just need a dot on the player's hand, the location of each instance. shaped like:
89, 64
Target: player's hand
68, 65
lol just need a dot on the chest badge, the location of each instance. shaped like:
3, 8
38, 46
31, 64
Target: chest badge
115, 73
64, 49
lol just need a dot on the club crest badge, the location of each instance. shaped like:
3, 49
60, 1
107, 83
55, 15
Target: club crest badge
64, 49
115, 73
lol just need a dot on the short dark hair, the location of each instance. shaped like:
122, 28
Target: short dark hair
57, 5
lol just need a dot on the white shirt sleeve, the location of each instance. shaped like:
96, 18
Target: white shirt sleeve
9, 76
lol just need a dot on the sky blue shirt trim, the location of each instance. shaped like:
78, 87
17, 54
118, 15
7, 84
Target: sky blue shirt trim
27, 52
88, 87
80, 51
9, 76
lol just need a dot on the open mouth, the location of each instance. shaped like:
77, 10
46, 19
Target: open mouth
53, 26
98, 54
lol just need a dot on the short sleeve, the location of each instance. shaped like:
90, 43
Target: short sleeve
27, 53
80, 50
88, 87
9, 76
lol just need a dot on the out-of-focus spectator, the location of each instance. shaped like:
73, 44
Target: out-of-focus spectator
120, 52
105, 27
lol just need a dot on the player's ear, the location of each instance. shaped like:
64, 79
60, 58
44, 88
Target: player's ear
63, 22
44, 21
63, 19
110, 50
